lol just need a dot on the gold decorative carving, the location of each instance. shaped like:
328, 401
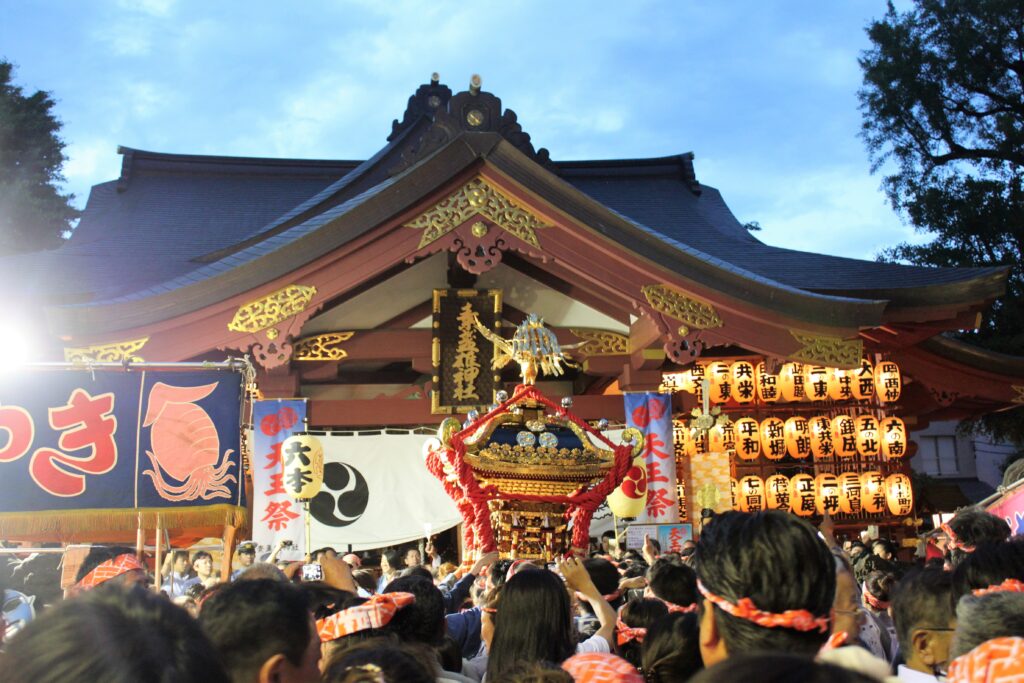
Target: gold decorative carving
477, 197
832, 351
466, 364
1019, 398
271, 309
322, 347
671, 302
115, 352
600, 342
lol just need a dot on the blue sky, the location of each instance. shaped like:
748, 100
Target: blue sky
764, 93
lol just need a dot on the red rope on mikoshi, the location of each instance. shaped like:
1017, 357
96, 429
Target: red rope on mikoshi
472, 499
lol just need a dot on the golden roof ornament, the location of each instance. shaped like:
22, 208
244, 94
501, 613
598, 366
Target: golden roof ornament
533, 346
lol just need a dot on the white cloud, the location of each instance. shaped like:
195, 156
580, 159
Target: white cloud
90, 161
157, 8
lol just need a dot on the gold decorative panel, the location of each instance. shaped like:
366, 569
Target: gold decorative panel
115, 352
600, 342
322, 347
271, 309
675, 304
832, 351
477, 197
463, 375
1019, 398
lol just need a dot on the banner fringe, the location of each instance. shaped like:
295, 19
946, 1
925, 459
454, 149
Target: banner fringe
122, 519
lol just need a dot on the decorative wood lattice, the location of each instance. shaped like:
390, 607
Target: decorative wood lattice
831, 351
271, 309
675, 304
600, 342
322, 347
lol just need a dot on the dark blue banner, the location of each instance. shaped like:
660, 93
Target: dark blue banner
115, 441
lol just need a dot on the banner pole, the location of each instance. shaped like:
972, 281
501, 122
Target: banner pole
140, 539
230, 532
159, 554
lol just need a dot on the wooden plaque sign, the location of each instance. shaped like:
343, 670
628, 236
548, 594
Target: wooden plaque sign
463, 378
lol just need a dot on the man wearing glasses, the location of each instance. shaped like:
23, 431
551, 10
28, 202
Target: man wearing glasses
923, 613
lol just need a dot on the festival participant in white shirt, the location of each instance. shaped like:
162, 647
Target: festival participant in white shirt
177, 573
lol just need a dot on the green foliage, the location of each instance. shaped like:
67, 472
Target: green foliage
33, 212
943, 118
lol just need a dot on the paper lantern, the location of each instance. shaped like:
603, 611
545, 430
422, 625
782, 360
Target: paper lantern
798, 437
826, 493
893, 435
722, 438
867, 436
751, 494
680, 439
844, 436
899, 494
821, 437
888, 383
850, 493
801, 495
630, 498
744, 388
773, 438
302, 460
767, 384
697, 443
734, 488
816, 382
776, 488
863, 381
791, 382
872, 486
721, 382
690, 379
840, 385
748, 438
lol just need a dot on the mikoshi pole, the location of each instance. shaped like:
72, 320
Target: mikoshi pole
615, 525
230, 532
158, 559
140, 539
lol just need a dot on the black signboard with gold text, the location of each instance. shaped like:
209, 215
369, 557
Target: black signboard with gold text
463, 378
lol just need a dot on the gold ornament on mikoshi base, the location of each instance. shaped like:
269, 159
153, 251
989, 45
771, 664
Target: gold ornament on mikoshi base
844, 436
791, 382
302, 459
801, 495
821, 437
773, 438
873, 492
899, 494
850, 493
888, 382
767, 384
893, 434
720, 380
863, 381
798, 437
826, 494
816, 382
744, 389
748, 438
751, 494
867, 436
840, 385
776, 489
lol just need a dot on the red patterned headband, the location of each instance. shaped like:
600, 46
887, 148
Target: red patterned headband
111, 569
374, 613
954, 542
625, 634
744, 608
1000, 660
673, 607
1008, 586
873, 601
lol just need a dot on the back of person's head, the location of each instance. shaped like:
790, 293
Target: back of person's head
671, 651
673, 582
972, 528
605, 577
635, 620
417, 570
112, 634
778, 563
777, 668
984, 617
990, 565
364, 579
378, 661
498, 571
533, 622
262, 571
878, 589
422, 621
921, 603
533, 672
254, 621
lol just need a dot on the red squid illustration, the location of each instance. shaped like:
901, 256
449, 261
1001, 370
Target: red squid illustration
185, 445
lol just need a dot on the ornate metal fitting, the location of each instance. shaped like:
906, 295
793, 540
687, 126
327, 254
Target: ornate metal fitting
673, 303
272, 309
322, 347
832, 351
115, 352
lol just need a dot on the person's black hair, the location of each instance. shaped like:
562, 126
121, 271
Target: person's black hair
920, 600
112, 634
880, 585
533, 622
989, 565
98, 554
419, 571
778, 668
322, 551
175, 554
251, 621
324, 599
605, 577
365, 579
498, 572
639, 614
194, 591
629, 570
393, 557
777, 561
200, 554
671, 650
975, 527
676, 583
533, 672
449, 652
980, 618
375, 660
423, 620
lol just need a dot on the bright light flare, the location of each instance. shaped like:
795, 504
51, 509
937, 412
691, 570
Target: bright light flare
14, 346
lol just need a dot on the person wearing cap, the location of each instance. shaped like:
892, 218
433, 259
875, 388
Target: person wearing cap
246, 555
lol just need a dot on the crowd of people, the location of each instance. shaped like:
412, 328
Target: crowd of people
762, 596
